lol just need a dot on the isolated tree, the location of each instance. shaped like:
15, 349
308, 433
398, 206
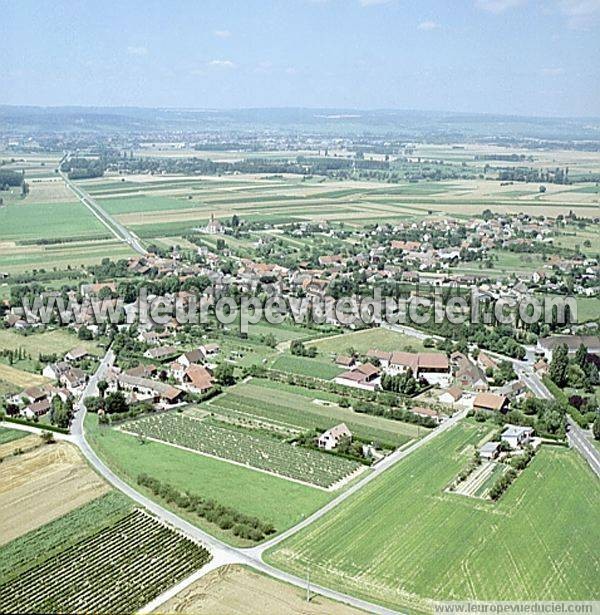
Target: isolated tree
224, 374
559, 365
102, 387
596, 428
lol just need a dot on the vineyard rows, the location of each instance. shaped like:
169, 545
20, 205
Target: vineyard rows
118, 570
257, 451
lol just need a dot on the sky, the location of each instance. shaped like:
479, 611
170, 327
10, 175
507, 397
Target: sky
523, 57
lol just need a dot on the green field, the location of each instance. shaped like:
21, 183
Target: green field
253, 493
293, 408
59, 341
72, 254
403, 542
31, 221
319, 367
362, 341
8, 435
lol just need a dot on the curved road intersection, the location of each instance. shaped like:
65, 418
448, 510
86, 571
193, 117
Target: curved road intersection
223, 553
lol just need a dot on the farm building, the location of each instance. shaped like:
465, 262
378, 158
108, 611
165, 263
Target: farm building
486, 362
365, 376
331, 438
209, 350
345, 361
193, 356
73, 379
36, 409
142, 371
451, 395
76, 354
161, 353
547, 345
144, 388
197, 378
467, 374
490, 450
382, 356
432, 366
490, 402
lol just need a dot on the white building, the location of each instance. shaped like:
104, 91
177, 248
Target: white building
331, 438
516, 436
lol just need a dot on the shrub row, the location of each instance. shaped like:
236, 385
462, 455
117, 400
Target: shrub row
227, 518
47, 427
518, 464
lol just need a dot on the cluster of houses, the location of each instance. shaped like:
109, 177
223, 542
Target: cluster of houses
409, 260
35, 401
463, 382
165, 385
68, 381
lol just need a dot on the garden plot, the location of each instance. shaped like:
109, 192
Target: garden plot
117, 570
292, 408
261, 452
479, 482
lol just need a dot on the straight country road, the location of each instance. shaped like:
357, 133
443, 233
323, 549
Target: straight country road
116, 228
581, 440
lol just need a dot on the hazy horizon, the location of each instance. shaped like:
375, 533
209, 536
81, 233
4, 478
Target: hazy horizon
225, 109
498, 57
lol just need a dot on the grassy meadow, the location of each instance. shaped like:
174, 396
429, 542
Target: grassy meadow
403, 542
253, 493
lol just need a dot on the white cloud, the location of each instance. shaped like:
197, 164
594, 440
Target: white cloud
580, 13
264, 67
552, 71
428, 25
221, 64
290, 70
222, 33
498, 6
137, 51
373, 2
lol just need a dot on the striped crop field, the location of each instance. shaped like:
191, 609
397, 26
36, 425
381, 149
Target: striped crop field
117, 570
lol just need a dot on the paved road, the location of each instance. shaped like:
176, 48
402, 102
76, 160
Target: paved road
116, 228
382, 466
581, 440
578, 438
221, 552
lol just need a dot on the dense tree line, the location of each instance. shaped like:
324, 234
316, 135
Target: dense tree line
10, 179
